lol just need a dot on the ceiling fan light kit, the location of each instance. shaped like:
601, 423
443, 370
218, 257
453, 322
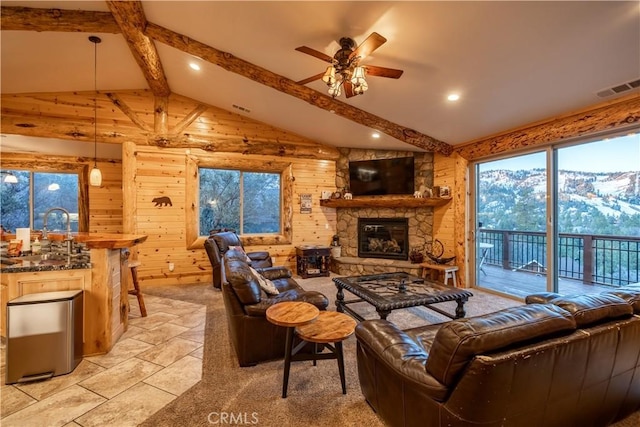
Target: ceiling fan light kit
345, 72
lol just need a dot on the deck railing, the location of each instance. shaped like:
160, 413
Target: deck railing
594, 259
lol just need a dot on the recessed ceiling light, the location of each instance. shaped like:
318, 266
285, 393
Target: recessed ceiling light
194, 66
453, 97
375, 135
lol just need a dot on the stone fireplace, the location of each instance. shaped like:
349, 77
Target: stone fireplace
418, 220
383, 238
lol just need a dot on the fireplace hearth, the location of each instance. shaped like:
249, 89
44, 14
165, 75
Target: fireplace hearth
383, 238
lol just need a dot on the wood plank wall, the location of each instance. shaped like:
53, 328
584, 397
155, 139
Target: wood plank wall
450, 220
154, 171
105, 202
160, 172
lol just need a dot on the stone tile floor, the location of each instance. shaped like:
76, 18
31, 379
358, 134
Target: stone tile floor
156, 360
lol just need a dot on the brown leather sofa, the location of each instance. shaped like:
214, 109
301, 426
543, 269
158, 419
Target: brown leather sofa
218, 243
254, 338
558, 361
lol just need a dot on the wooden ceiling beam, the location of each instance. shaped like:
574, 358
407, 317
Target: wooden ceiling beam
79, 21
131, 19
245, 146
128, 18
290, 87
617, 115
128, 112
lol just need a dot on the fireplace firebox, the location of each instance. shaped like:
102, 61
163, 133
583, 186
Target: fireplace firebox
383, 238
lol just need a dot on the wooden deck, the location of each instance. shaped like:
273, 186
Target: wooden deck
520, 284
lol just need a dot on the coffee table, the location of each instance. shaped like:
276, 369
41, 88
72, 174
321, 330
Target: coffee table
391, 291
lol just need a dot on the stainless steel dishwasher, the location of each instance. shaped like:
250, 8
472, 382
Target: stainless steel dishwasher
44, 335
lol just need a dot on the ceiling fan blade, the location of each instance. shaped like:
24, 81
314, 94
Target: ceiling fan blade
310, 79
365, 48
315, 53
391, 73
348, 89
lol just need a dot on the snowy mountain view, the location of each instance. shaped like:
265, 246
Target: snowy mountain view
597, 203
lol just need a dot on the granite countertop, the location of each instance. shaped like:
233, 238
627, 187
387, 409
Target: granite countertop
31, 264
61, 261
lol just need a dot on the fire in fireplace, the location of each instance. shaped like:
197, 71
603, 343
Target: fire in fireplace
383, 238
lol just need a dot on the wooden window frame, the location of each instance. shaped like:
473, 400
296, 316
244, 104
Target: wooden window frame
192, 198
9, 163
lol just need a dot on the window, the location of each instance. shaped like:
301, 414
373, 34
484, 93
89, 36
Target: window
252, 196
24, 203
248, 202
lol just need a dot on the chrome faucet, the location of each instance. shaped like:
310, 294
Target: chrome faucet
44, 225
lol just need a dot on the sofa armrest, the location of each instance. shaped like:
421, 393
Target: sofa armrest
541, 298
274, 273
312, 297
401, 354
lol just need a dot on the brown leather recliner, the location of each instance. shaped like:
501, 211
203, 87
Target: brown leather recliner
254, 338
558, 361
217, 244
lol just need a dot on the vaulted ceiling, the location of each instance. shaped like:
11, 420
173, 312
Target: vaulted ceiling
512, 63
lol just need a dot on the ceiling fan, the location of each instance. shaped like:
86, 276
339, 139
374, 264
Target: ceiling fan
345, 72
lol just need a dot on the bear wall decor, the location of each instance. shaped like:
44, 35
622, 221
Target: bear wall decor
162, 201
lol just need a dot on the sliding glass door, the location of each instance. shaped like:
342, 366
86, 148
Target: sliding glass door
566, 219
598, 219
511, 212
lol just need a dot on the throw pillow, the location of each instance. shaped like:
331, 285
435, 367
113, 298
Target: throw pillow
241, 249
266, 284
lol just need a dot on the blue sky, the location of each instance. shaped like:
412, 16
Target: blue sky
620, 154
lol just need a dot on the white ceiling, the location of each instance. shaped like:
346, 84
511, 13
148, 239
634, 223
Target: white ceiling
512, 63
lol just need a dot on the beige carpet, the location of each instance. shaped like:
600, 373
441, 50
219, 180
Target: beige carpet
232, 395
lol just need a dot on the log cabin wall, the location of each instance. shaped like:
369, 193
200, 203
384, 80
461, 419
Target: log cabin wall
127, 117
160, 172
449, 221
105, 202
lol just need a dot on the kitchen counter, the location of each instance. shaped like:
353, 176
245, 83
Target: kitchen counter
92, 240
100, 270
109, 241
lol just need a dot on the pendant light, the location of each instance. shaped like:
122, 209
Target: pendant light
95, 177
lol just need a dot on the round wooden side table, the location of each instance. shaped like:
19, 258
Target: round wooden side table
329, 327
291, 314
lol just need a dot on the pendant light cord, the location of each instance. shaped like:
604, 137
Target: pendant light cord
95, 40
95, 104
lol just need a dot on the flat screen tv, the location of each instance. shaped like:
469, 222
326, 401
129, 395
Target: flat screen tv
382, 176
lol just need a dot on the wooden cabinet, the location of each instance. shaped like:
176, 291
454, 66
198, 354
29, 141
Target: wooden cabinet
313, 261
105, 310
14, 285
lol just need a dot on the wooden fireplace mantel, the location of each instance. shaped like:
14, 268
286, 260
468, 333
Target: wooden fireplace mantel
385, 202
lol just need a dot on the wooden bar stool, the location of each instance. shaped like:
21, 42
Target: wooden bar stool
449, 272
133, 266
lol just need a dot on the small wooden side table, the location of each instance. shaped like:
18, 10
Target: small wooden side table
329, 327
291, 314
448, 271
